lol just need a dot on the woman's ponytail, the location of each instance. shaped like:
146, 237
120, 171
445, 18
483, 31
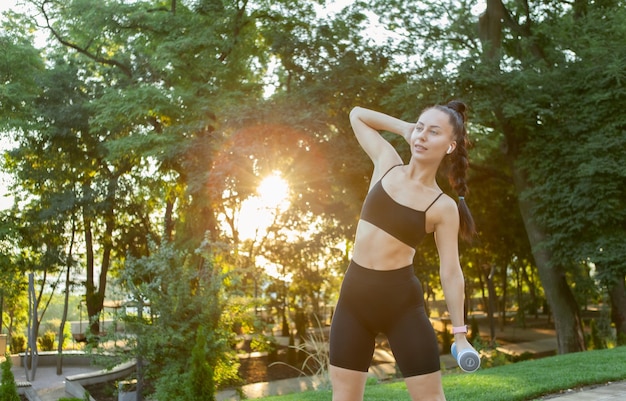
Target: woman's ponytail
459, 164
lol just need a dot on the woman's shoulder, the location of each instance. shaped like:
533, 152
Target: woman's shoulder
445, 209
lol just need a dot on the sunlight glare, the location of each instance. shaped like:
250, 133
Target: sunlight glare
259, 212
273, 191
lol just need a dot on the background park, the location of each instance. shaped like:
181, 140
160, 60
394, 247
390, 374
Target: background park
184, 183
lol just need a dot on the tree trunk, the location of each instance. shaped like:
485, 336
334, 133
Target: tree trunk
568, 324
66, 301
94, 327
617, 293
560, 298
502, 303
63, 321
492, 304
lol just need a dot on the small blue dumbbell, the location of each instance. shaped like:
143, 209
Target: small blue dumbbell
468, 359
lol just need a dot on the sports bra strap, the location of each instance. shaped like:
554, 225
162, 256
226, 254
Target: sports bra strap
438, 196
392, 167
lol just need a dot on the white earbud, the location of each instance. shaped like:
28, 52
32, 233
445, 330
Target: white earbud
450, 149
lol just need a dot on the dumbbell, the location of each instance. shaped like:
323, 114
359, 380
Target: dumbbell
468, 359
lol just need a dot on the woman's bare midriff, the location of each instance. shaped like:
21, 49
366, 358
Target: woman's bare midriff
377, 250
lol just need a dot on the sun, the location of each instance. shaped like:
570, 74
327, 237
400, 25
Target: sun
273, 191
260, 211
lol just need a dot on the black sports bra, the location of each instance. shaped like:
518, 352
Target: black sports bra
401, 222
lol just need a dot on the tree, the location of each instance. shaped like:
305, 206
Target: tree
505, 69
187, 304
586, 183
556, 108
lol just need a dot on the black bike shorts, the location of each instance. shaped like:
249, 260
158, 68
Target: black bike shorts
383, 301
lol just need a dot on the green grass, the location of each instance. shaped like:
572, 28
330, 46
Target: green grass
520, 381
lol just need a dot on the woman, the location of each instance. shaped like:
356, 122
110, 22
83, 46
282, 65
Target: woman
380, 292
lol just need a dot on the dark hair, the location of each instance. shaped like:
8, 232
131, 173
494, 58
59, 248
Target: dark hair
459, 163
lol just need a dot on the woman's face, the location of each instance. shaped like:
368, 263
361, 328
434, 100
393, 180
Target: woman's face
433, 136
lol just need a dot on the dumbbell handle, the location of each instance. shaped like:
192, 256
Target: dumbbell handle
468, 359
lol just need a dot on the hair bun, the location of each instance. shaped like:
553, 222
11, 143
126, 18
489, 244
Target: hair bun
459, 107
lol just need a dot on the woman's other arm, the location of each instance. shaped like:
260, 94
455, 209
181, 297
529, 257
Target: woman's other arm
451, 275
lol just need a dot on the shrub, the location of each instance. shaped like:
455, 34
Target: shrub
596, 340
46, 342
18, 343
8, 388
201, 374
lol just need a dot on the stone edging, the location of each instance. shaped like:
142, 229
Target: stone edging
74, 384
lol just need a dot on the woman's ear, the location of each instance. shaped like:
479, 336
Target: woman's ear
451, 148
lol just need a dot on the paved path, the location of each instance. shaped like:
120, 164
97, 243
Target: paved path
611, 391
48, 385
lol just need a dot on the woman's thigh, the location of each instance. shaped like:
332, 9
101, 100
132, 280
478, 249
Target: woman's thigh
425, 387
348, 385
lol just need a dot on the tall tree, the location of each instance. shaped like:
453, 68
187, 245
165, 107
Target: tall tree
553, 112
504, 63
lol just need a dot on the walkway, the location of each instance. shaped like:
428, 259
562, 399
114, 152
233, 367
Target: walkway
611, 391
47, 384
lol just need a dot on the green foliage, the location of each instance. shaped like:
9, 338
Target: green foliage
201, 381
595, 340
579, 104
186, 303
8, 388
489, 354
52, 325
46, 341
18, 343
263, 343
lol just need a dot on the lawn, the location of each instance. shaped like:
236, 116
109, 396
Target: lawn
520, 381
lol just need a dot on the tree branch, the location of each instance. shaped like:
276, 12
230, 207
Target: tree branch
114, 63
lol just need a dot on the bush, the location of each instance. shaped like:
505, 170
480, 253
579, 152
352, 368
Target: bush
53, 325
46, 342
596, 341
18, 343
8, 388
201, 379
